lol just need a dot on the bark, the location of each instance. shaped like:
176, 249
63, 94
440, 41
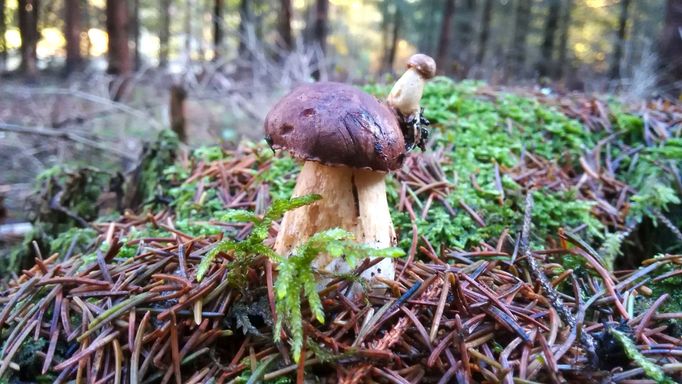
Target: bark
245, 18
72, 33
284, 26
164, 33
28, 28
546, 65
320, 29
517, 54
621, 36
671, 47
563, 38
464, 36
136, 33
389, 55
3, 42
217, 28
444, 38
320, 32
118, 30
485, 31
189, 6
177, 112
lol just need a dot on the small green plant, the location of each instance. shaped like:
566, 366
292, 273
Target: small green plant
247, 250
296, 276
651, 370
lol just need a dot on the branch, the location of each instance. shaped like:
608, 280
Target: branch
565, 314
65, 135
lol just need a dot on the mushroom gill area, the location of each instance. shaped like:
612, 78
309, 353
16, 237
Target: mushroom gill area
352, 199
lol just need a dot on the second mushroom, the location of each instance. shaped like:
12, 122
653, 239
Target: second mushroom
348, 141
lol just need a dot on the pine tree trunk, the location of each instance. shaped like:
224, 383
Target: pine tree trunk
395, 34
72, 33
671, 48
28, 29
465, 34
164, 32
320, 29
320, 33
136, 34
563, 38
245, 18
217, 28
444, 38
485, 31
3, 42
546, 64
285, 34
517, 54
117, 28
614, 70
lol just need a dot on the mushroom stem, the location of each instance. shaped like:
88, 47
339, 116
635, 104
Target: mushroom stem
407, 92
352, 199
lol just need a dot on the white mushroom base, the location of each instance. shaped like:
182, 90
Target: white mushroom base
352, 199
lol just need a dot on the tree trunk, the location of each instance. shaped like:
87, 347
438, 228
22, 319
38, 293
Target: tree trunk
217, 28
320, 30
72, 33
444, 38
464, 36
164, 33
389, 59
177, 111
3, 42
485, 31
517, 54
28, 29
245, 19
546, 64
189, 6
320, 33
563, 38
285, 34
136, 34
117, 29
614, 70
671, 48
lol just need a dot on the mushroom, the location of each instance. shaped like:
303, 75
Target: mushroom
406, 94
348, 141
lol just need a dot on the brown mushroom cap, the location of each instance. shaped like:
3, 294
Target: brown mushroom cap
424, 64
336, 124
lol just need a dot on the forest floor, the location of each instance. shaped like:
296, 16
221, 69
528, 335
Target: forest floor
539, 237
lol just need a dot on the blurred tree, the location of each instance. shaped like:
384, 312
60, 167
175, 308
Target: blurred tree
563, 38
136, 33
117, 30
517, 53
72, 34
485, 31
286, 39
465, 34
320, 28
546, 64
444, 37
320, 31
671, 47
3, 42
217, 18
621, 36
392, 24
245, 22
164, 32
28, 29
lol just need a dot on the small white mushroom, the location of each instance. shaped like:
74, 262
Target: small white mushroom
408, 90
